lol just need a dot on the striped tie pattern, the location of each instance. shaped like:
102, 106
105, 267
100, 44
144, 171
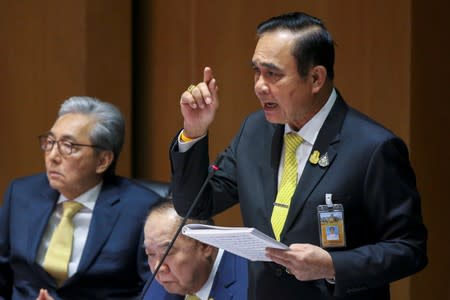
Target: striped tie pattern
287, 185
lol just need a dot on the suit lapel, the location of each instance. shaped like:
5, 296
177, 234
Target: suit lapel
224, 279
38, 218
270, 173
326, 142
41, 210
105, 215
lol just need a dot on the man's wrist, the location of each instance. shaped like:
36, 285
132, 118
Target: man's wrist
185, 138
188, 137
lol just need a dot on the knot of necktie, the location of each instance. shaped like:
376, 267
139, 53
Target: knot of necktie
291, 142
70, 208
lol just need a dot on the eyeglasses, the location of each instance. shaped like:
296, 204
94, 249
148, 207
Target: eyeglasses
64, 147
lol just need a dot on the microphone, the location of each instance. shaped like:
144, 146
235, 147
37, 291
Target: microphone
214, 168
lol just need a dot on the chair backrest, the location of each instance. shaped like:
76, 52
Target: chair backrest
160, 187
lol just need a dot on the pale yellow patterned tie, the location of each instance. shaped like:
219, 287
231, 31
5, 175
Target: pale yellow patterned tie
192, 297
288, 183
60, 247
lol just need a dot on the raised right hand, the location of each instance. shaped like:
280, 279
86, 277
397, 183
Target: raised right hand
199, 105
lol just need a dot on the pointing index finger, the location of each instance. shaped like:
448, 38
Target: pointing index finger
207, 75
209, 80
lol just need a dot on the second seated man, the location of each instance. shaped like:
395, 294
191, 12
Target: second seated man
76, 230
192, 269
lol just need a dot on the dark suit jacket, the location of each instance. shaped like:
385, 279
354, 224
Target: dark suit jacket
230, 282
369, 174
113, 264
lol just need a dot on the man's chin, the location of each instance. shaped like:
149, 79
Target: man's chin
172, 287
274, 120
55, 184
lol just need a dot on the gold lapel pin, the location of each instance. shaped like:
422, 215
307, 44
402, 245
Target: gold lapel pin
314, 158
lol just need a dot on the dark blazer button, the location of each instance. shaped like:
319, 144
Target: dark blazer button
278, 272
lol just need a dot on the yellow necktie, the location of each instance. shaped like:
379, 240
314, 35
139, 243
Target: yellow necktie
60, 248
192, 297
288, 183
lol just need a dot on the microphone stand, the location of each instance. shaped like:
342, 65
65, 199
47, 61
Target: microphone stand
214, 168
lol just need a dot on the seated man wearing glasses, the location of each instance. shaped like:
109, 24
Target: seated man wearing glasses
76, 230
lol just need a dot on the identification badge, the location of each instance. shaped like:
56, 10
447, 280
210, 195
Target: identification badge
331, 224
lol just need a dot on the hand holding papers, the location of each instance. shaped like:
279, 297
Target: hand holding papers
247, 242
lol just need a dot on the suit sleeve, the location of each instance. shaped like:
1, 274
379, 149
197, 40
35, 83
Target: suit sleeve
189, 171
392, 204
5, 269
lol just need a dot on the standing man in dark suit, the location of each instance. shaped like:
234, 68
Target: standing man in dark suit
192, 267
96, 252
297, 165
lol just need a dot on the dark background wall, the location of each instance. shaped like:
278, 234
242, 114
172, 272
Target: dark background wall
391, 63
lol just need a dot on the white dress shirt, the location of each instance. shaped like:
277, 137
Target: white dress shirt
204, 292
81, 222
309, 133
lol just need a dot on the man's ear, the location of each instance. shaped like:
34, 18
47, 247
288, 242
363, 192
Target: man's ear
208, 250
105, 158
319, 77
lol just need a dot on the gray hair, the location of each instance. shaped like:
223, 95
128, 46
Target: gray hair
108, 132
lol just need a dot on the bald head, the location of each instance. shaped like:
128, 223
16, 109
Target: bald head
188, 264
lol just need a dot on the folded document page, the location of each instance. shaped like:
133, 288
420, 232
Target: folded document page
243, 241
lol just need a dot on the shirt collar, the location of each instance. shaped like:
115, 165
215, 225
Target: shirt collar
88, 198
311, 129
204, 292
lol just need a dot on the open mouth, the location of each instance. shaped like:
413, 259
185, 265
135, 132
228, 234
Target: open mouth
270, 105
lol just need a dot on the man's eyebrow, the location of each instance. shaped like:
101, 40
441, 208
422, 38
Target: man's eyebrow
162, 245
63, 137
270, 66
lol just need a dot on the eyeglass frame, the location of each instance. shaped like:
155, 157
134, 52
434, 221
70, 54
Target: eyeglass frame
44, 137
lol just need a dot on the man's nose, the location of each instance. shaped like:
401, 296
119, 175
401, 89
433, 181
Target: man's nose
54, 153
261, 86
163, 268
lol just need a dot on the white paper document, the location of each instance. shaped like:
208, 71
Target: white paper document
247, 242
